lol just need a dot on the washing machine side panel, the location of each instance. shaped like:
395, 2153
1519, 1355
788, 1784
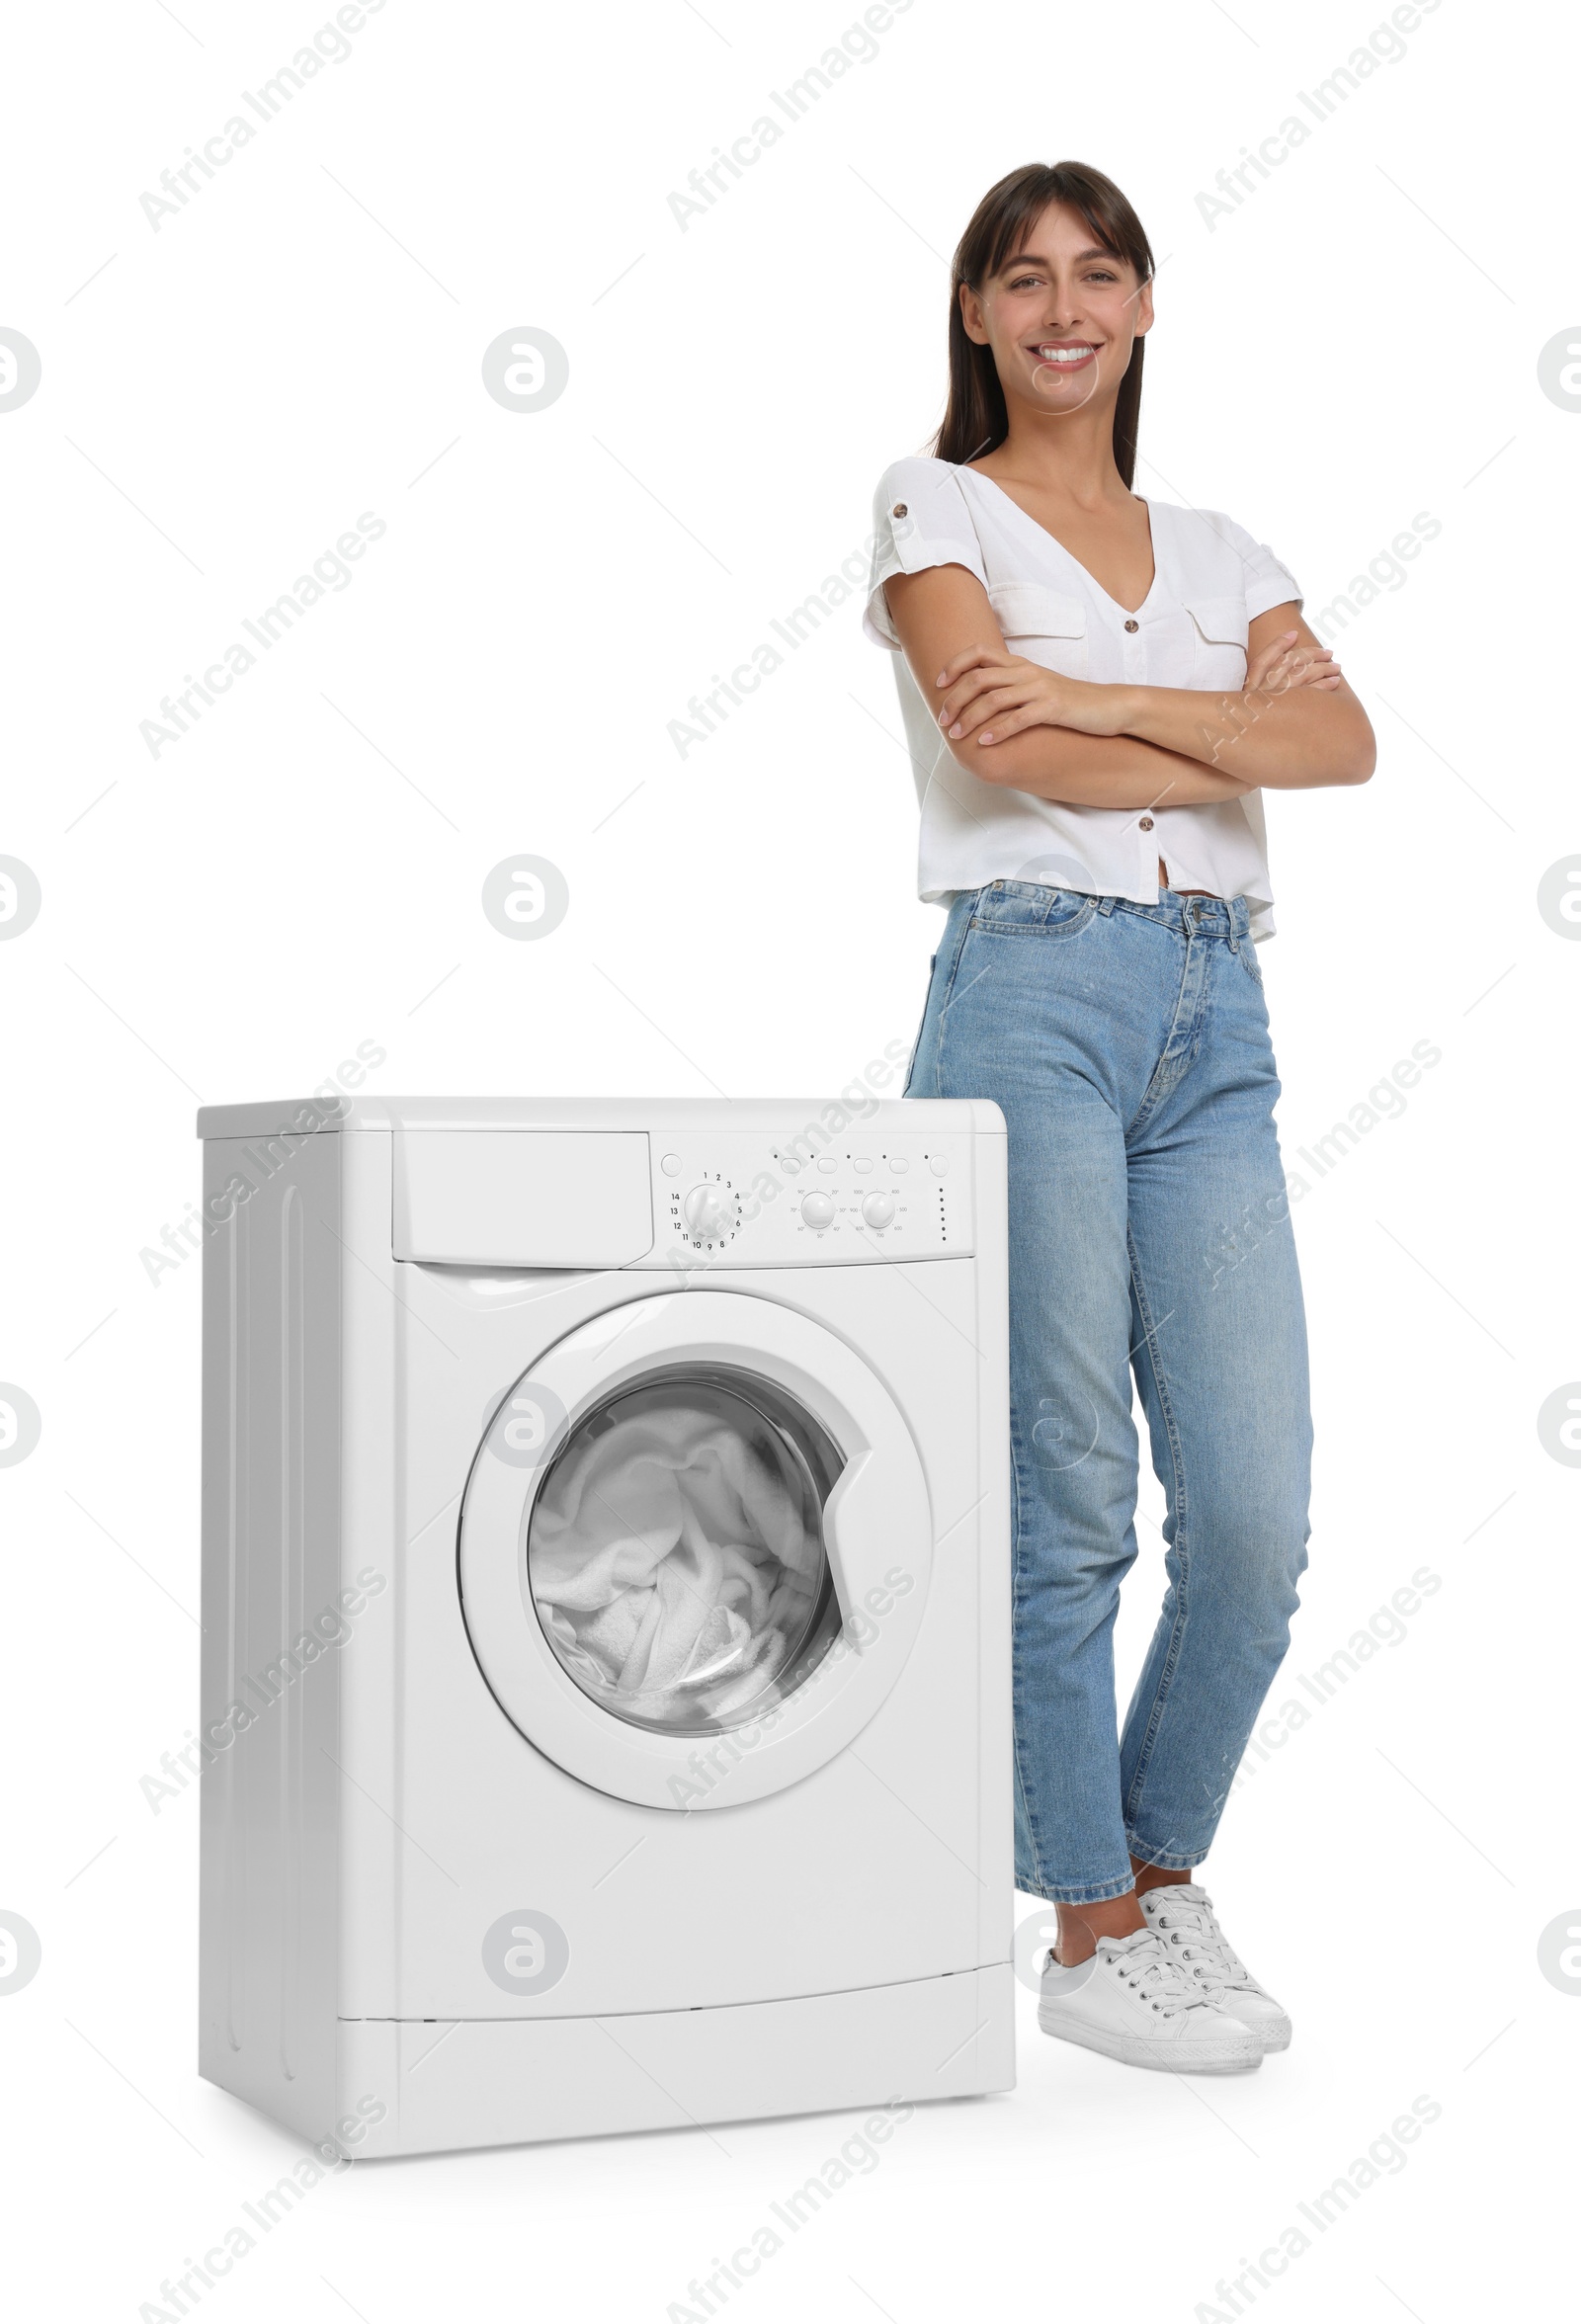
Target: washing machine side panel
373, 1559
996, 1767
271, 1575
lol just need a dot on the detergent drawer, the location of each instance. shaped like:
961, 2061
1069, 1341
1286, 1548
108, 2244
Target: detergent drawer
521, 1198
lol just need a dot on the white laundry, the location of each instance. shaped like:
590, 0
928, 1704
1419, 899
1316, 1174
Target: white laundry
671, 1561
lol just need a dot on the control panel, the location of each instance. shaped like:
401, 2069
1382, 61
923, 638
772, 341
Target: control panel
810, 1199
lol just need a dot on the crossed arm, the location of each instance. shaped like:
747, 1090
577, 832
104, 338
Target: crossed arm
1296, 726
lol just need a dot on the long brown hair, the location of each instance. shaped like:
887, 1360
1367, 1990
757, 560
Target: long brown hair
975, 420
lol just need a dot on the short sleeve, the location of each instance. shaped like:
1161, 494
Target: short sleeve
1269, 582
920, 518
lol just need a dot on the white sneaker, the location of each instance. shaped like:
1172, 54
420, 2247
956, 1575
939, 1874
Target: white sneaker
1184, 1916
1134, 2002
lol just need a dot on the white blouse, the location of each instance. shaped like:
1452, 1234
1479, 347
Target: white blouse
1210, 581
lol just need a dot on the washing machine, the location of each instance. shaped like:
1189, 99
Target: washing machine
606, 1658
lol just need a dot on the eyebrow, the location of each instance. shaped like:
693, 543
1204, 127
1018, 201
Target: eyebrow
1031, 257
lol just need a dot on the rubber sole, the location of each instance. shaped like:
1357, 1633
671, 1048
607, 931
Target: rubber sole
1273, 2033
1135, 2049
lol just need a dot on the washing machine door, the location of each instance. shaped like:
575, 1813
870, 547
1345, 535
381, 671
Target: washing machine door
695, 1549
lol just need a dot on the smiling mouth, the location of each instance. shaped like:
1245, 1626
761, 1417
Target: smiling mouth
1065, 355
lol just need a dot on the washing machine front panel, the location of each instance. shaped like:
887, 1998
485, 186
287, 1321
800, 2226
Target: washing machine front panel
695, 1549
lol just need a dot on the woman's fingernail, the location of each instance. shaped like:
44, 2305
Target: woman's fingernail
986, 738
954, 730
940, 680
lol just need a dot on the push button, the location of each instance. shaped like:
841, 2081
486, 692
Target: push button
826, 1164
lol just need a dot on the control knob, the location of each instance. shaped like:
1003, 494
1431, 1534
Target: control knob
709, 1212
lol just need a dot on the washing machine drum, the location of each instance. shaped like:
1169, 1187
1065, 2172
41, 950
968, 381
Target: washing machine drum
675, 1551
702, 1517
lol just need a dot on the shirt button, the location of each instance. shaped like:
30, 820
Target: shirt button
1146, 823
899, 509
1134, 624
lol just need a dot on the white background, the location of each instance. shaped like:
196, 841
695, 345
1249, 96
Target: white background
1357, 342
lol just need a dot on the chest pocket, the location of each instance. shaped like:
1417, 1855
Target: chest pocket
1041, 626
1218, 642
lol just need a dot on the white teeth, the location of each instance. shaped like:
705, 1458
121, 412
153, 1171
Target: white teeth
1064, 355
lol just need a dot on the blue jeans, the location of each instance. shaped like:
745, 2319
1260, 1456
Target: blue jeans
1127, 1046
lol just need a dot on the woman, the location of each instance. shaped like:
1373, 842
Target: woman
1096, 688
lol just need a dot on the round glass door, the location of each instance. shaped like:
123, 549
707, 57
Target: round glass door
674, 1549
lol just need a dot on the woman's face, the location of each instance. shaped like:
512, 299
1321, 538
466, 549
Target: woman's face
1060, 316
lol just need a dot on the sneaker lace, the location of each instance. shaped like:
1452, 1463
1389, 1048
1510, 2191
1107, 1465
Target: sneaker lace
1201, 1945
1157, 1978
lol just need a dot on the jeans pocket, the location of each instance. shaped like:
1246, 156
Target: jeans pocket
1247, 954
1020, 907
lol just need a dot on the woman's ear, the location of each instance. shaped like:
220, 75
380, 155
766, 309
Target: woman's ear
972, 315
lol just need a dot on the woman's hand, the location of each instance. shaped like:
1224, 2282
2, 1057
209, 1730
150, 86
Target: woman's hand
1283, 664
993, 694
